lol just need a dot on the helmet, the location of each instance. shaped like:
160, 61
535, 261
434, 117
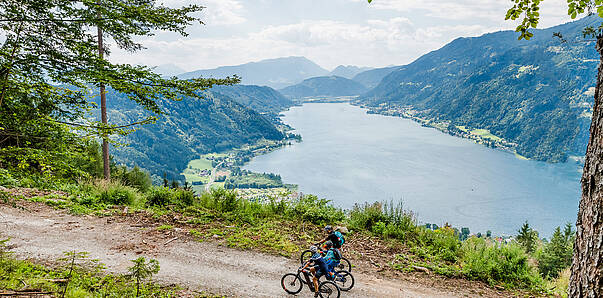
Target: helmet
313, 249
328, 228
329, 244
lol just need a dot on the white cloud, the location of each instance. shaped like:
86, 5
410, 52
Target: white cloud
393, 32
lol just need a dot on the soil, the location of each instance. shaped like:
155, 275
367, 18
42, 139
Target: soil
42, 233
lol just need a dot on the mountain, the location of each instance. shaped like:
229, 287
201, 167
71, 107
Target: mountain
261, 99
372, 78
189, 128
324, 86
348, 71
536, 94
168, 70
275, 73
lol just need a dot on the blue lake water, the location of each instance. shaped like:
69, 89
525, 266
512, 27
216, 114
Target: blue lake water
349, 157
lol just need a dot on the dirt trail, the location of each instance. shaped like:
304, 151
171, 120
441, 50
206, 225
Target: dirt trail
46, 233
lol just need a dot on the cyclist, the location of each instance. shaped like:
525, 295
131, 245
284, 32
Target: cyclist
320, 267
332, 256
334, 236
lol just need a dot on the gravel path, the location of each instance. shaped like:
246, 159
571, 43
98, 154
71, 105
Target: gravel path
46, 233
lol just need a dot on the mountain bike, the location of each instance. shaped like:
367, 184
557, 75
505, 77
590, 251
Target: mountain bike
344, 264
343, 279
293, 283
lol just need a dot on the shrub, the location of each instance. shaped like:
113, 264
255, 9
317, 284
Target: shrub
315, 210
440, 244
159, 196
220, 199
115, 193
498, 263
364, 217
183, 197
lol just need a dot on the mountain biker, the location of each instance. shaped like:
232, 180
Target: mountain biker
319, 268
332, 256
334, 236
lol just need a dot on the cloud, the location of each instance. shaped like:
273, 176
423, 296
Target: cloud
216, 12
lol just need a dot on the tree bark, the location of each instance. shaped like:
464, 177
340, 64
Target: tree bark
586, 279
101, 53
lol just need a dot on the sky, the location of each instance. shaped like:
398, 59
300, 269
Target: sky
328, 32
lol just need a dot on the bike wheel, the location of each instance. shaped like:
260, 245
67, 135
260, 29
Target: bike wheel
328, 289
344, 264
291, 283
344, 280
305, 256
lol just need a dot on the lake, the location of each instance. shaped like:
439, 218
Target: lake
349, 156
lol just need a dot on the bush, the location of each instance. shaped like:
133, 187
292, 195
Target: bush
113, 193
557, 254
440, 244
315, 210
183, 197
136, 177
386, 220
498, 263
159, 196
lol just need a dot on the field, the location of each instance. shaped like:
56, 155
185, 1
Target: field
484, 133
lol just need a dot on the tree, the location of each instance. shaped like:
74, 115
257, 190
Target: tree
142, 270
557, 254
586, 279
55, 51
526, 237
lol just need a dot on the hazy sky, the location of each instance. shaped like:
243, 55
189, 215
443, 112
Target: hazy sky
329, 32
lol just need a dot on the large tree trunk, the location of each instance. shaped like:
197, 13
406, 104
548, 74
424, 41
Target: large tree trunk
586, 279
101, 53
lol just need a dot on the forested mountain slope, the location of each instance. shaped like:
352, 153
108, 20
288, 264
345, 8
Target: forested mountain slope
537, 93
372, 78
261, 99
275, 73
189, 127
324, 86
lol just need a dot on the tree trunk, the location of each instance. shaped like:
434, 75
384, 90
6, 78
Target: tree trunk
586, 279
101, 53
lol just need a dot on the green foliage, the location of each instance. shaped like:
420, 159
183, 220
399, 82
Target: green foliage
142, 270
318, 211
159, 196
557, 254
220, 199
506, 264
136, 177
387, 220
527, 238
114, 193
528, 11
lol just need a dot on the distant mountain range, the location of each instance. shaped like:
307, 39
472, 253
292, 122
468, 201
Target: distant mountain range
537, 94
324, 86
276, 73
348, 71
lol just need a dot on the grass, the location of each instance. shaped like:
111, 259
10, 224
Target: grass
484, 133
87, 279
200, 164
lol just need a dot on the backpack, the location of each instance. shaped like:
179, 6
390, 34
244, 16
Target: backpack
340, 236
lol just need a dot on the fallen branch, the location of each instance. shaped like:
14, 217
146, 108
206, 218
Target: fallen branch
168, 242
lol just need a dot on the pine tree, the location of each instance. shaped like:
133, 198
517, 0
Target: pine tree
527, 237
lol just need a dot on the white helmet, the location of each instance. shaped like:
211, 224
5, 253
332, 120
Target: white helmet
313, 249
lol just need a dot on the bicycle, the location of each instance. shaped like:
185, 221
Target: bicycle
344, 264
293, 283
343, 279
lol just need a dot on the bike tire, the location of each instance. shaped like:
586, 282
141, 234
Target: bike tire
344, 264
328, 289
344, 280
291, 283
305, 256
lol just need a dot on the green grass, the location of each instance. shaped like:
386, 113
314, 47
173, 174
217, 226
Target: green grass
463, 128
484, 133
201, 164
88, 279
